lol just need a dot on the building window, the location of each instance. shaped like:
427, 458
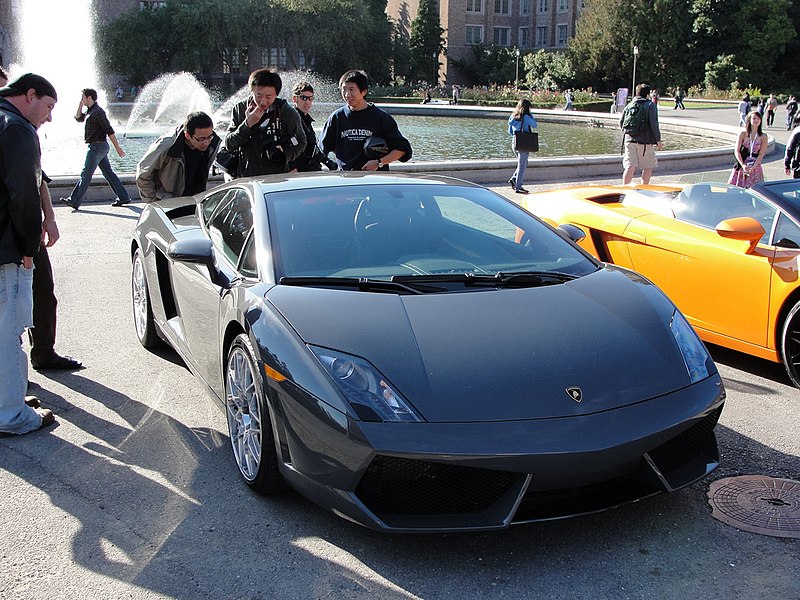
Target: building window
143, 4
235, 61
474, 35
474, 6
524, 37
563, 5
541, 37
524, 7
277, 58
502, 7
561, 34
541, 6
502, 36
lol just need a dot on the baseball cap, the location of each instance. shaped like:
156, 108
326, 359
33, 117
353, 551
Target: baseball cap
27, 81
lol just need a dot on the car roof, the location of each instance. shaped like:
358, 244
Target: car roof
305, 181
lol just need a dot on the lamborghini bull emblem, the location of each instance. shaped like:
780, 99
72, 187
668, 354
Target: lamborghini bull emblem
575, 393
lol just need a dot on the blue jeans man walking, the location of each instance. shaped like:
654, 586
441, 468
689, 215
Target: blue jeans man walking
97, 156
97, 132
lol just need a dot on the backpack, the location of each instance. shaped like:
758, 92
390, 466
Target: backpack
634, 118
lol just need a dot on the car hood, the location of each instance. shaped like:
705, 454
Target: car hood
504, 354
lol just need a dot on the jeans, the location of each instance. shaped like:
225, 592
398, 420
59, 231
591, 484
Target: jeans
97, 156
519, 174
16, 313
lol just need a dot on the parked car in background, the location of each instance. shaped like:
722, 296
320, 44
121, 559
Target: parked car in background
727, 256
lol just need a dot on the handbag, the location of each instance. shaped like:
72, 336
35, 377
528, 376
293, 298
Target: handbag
526, 141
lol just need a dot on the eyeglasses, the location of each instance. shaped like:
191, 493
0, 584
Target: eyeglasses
200, 140
306, 98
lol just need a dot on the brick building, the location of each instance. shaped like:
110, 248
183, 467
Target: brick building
524, 24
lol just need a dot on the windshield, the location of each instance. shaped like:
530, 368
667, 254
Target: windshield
788, 190
380, 232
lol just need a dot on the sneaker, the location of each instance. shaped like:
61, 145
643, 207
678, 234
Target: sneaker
48, 418
119, 202
70, 203
522, 190
513, 183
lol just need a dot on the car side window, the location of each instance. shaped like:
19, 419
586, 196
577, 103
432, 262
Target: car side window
231, 224
787, 233
248, 265
709, 204
211, 202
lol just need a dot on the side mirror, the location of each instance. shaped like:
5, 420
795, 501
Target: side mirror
572, 232
745, 229
198, 251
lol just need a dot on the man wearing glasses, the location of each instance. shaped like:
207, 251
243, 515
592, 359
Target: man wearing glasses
178, 164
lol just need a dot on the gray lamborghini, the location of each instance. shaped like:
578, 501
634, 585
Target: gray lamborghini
421, 354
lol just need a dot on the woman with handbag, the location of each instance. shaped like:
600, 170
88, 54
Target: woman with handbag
749, 152
522, 128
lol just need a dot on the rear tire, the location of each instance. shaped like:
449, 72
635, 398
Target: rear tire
142, 312
249, 423
790, 344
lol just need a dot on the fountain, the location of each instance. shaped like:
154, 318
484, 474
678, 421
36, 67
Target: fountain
465, 141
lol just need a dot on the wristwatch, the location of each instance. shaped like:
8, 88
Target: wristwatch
380, 164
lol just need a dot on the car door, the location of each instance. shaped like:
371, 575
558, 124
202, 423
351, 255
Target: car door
723, 289
229, 222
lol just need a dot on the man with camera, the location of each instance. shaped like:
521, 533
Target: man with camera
265, 133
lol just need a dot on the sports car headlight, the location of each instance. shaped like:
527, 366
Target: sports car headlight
371, 396
695, 355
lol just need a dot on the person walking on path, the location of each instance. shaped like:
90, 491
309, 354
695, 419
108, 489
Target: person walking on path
311, 158
521, 120
678, 99
744, 109
25, 104
265, 131
97, 130
350, 129
178, 164
791, 109
772, 105
642, 136
751, 147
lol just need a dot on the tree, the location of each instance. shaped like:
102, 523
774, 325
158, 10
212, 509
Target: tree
488, 64
426, 43
140, 44
548, 70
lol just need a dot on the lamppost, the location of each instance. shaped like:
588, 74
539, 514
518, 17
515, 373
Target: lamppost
435, 57
635, 55
516, 75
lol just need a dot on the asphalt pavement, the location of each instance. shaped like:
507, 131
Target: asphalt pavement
134, 493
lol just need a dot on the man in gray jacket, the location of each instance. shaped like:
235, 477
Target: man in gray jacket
178, 164
25, 104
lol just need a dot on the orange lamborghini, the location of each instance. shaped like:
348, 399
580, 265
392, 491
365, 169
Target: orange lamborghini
727, 256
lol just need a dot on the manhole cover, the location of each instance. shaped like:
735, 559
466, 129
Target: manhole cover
758, 504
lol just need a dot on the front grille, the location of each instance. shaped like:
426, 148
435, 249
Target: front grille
698, 440
400, 486
553, 504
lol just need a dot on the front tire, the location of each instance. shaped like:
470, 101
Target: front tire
142, 311
790, 344
249, 424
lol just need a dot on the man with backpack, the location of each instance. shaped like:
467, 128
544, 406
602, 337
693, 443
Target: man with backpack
642, 136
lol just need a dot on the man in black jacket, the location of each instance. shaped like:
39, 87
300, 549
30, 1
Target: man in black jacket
311, 158
265, 131
25, 104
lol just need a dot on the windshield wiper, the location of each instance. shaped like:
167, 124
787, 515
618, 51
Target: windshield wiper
500, 279
364, 284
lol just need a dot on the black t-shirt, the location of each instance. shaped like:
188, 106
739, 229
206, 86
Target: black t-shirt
196, 171
346, 131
